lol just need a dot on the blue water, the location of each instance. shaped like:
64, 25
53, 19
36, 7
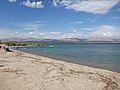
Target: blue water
105, 56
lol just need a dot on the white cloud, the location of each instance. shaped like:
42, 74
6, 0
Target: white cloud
31, 4
26, 29
12, 0
29, 26
32, 33
8, 33
90, 6
74, 30
35, 33
87, 29
77, 22
55, 33
106, 31
100, 32
73, 34
37, 4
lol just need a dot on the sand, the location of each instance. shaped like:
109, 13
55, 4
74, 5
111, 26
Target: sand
23, 71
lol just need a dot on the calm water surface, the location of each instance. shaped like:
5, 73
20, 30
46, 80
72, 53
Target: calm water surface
105, 56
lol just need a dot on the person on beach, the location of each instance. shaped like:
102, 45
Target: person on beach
5, 48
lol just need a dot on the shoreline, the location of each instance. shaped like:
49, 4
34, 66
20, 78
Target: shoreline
50, 74
61, 60
67, 61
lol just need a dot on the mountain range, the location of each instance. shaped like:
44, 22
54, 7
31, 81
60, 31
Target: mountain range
64, 40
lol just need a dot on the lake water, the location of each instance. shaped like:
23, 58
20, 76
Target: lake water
105, 56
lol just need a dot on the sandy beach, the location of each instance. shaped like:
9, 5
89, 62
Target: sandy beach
23, 71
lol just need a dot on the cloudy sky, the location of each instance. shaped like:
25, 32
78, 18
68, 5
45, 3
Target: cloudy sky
57, 19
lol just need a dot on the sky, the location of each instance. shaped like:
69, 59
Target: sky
56, 19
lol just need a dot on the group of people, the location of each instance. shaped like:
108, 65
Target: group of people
5, 48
